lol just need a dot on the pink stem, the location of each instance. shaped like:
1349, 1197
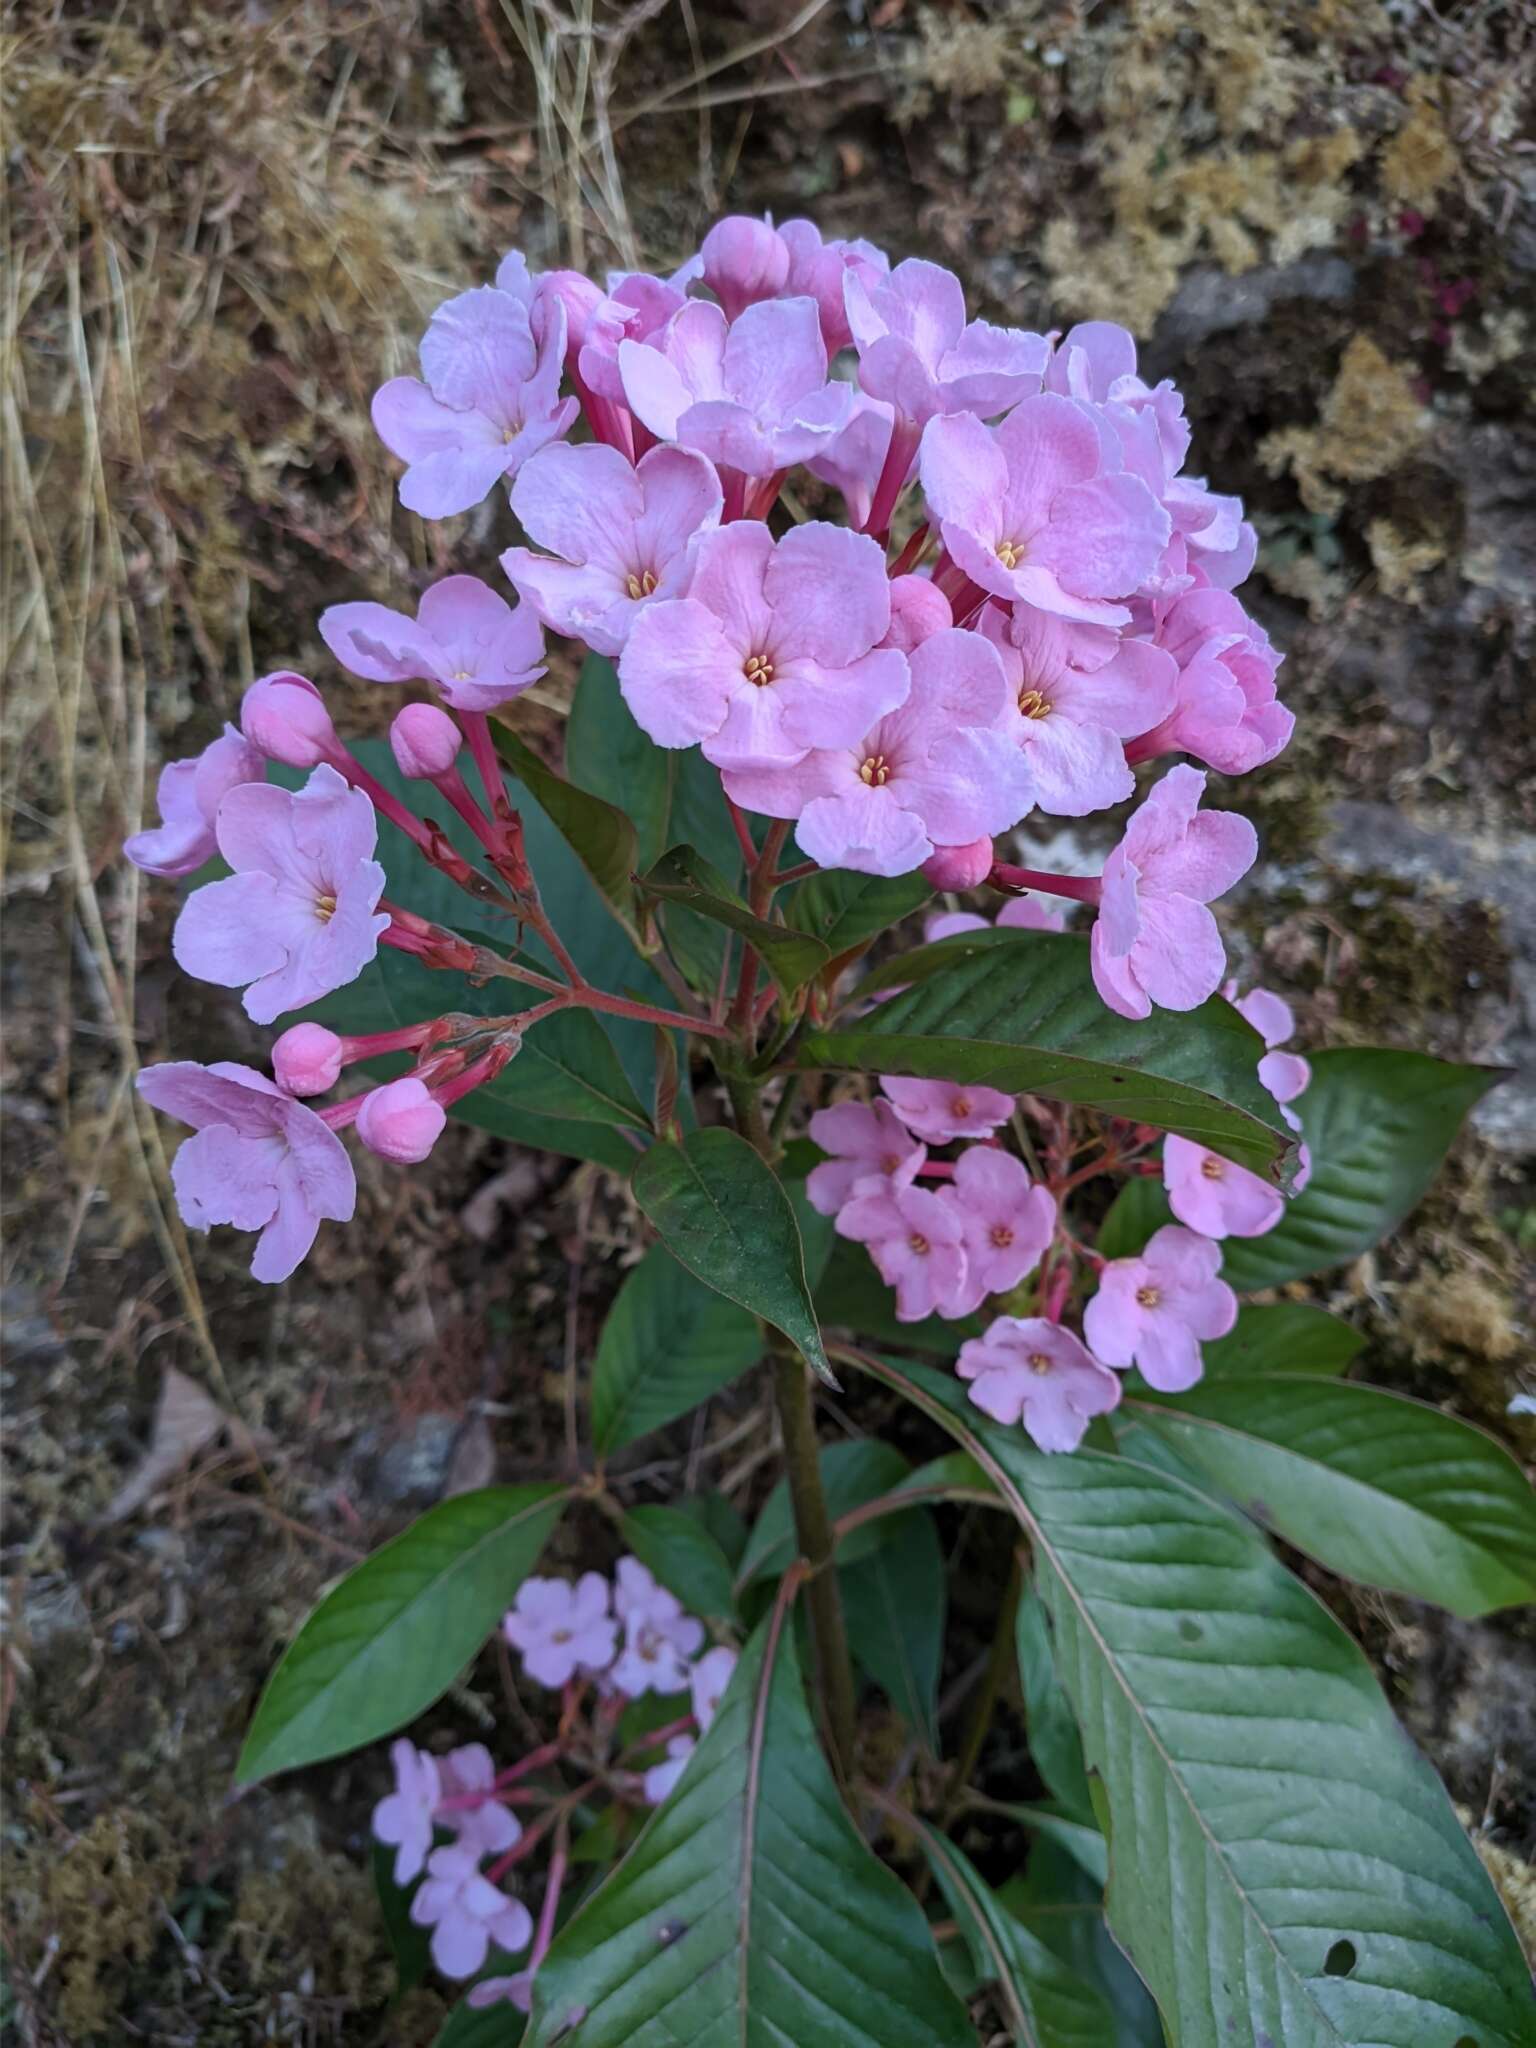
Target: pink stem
735, 485
482, 750
1014, 881
912, 553
905, 435
544, 1933
743, 833
936, 1169
535, 1760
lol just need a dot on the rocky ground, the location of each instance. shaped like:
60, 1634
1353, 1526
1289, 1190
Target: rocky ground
225, 226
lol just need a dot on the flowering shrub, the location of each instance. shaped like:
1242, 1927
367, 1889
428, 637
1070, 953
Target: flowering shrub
1029, 1172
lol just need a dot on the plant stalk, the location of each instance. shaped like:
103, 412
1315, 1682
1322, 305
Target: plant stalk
979, 1719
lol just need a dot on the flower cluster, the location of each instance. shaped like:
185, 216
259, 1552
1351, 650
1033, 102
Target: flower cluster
984, 1230
1029, 601
450, 1819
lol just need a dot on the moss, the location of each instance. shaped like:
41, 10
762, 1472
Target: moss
1421, 159
1371, 423
98, 1905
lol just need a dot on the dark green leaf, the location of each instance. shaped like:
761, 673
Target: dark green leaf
598, 832
894, 1604
1265, 1805
1046, 2006
843, 909
1137, 1212
485, 2026
398, 1629
1084, 1844
1063, 1907
668, 1343
722, 1518
1378, 1125
851, 1473
1055, 1744
1282, 1336
1018, 1011
684, 878
408, 1943
721, 1211
679, 1551
608, 755
1371, 1484
750, 1913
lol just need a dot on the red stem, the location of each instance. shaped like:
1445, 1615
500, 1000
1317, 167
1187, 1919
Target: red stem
1014, 881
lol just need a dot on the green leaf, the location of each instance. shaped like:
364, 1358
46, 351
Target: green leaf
598, 832
1283, 1861
408, 1943
1373, 1485
843, 909
1378, 1125
1084, 1844
750, 1913
852, 1473
1137, 1212
1282, 1336
1018, 1011
608, 755
1055, 1744
684, 878
393, 1635
722, 1213
1063, 1907
722, 1518
484, 2026
679, 1551
1046, 2006
668, 1343
894, 1604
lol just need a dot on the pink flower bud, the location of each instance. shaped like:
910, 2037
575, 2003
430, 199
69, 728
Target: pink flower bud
744, 260
918, 610
307, 1059
284, 715
425, 741
400, 1121
959, 867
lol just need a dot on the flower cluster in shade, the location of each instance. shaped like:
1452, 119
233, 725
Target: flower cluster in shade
1029, 598
952, 1236
449, 1819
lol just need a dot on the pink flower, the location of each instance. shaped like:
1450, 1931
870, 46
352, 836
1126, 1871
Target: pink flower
1225, 711
751, 393
188, 793
918, 354
933, 772
917, 1240
1285, 1074
492, 362
466, 1912
660, 1781
401, 1120
1029, 914
284, 717
659, 1639
853, 460
769, 654
744, 260
1028, 1370
260, 1160
490, 1827
819, 270
622, 534
1154, 940
867, 1141
424, 741
1032, 509
1008, 1221
919, 609
1215, 1197
298, 916
941, 1110
465, 638
1154, 1312
637, 307
961, 867
560, 1629
402, 1820
307, 1059
1075, 692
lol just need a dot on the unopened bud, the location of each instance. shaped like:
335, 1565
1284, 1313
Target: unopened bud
919, 609
307, 1059
400, 1121
424, 740
744, 260
285, 717
959, 867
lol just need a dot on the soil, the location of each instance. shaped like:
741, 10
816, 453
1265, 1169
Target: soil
226, 226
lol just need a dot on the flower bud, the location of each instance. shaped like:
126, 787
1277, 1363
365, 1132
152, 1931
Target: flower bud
918, 610
307, 1059
285, 716
744, 260
424, 740
959, 867
400, 1121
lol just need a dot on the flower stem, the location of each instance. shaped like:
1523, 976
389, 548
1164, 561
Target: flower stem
1014, 881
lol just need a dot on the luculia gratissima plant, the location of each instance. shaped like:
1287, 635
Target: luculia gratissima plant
1016, 1166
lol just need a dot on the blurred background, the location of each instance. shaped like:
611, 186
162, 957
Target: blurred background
225, 226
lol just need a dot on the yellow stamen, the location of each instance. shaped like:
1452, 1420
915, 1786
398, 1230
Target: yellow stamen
1212, 1167
758, 669
919, 1244
1033, 705
1038, 1362
875, 771
1149, 1297
1009, 553
641, 585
